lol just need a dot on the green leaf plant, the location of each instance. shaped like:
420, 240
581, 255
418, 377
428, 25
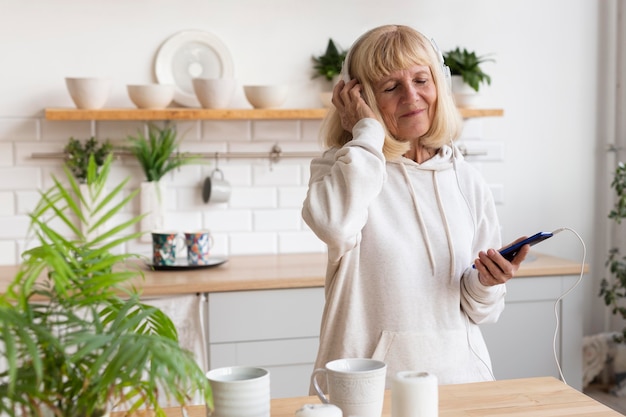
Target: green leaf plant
467, 64
329, 64
613, 290
75, 336
157, 154
77, 155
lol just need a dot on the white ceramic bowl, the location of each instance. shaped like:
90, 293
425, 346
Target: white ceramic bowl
214, 93
151, 96
266, 96
89, 92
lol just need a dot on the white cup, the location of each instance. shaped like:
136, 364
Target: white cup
216, 189
240, 391
357, 386
414, 394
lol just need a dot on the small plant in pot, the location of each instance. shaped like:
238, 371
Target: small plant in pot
76, 338
157, 155
467, 74
77, 155
329, 67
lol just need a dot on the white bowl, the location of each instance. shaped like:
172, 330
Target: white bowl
151, 96
89, 92
266, 96
214, 93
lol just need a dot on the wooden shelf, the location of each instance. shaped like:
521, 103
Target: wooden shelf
206, 114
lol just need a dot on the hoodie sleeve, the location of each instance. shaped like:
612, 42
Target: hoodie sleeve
343, 183
483, 304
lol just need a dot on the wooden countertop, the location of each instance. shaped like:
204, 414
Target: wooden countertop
257, 272
537, 397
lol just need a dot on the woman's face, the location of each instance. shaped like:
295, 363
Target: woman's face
406, 99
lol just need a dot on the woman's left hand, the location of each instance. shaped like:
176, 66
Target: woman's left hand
494, 269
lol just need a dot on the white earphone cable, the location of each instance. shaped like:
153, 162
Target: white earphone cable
560, 299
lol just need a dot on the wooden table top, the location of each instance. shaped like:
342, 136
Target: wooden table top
258, 272
528, 397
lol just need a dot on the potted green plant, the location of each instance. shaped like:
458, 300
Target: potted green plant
328, 66
76, 338
613, 290
157, 155
77, 155
467, 74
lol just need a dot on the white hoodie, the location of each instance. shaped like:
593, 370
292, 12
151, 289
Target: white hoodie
401, 239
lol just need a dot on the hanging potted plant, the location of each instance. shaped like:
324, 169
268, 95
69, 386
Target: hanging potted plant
76, 339
467, 75
157, 155
328, 66
77, 156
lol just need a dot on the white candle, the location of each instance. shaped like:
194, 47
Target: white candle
414, 394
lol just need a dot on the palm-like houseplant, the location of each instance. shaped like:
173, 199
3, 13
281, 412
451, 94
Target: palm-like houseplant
467, 65
157, 155
613, 290
76, 337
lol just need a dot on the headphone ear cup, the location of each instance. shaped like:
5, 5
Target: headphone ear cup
345, 72
446, 69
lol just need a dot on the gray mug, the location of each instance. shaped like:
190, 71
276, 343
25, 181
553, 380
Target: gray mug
216, 190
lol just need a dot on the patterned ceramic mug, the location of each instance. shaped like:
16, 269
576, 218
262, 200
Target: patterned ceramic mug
164, 246
198, 247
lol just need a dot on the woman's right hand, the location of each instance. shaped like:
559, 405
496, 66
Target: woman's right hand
348, 100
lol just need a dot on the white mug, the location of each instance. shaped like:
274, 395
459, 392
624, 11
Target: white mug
216, 190
355, 385
240, 391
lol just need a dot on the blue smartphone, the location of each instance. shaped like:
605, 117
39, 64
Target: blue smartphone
510, 252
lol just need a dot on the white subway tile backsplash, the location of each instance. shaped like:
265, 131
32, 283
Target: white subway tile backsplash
8, 252
116, 132
14, 227
6, 154
61, 131
7, 203
253, 243
16, 129
227, 220
253, 197
291, 196
26, 201
277, 174
311, 130
224, 130
183, 220
299, 242
276, 220
20, 178
24, 153
275, 130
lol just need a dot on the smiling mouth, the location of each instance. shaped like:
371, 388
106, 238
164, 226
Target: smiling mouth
413, 113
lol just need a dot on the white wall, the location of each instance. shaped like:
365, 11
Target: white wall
545, 78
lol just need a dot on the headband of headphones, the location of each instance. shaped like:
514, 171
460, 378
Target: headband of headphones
345, 75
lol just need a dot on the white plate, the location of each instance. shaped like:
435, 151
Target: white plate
190, 54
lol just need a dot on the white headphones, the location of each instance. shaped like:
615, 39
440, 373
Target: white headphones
345, 72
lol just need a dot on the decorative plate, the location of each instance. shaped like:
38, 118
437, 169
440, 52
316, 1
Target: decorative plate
182, 264
190, 54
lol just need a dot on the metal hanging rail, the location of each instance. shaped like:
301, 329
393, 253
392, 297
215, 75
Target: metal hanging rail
274, 155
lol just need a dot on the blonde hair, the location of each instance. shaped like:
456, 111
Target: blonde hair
375, 55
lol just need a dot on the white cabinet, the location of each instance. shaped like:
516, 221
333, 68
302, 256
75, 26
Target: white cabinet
521, 342
274, 329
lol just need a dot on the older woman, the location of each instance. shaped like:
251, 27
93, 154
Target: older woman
410, 226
